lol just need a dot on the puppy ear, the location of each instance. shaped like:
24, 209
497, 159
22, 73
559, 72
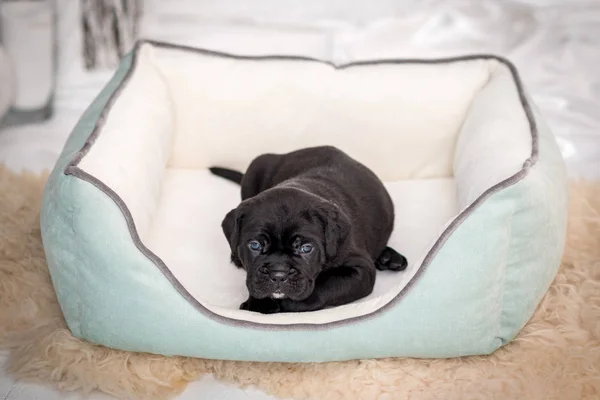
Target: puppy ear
231, 228
337, 232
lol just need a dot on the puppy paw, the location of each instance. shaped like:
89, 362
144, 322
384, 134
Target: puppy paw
391, 260
263, 306
288, 306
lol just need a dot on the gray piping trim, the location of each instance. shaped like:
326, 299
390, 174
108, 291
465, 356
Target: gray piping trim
73, 169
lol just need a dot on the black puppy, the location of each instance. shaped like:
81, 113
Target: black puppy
312, 228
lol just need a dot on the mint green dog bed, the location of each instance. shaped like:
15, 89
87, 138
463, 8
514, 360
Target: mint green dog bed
131, 215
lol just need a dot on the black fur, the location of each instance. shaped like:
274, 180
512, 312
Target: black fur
317, 198
230, 175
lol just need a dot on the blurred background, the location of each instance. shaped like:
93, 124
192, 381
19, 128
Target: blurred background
55, 55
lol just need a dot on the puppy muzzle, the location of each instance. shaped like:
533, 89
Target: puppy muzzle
278, 281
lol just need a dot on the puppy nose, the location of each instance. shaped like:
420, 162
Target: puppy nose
278, 276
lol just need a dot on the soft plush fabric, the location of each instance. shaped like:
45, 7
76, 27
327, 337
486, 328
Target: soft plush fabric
131, 218
556, 355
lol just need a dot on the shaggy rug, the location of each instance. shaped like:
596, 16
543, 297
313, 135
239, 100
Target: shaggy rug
556, 356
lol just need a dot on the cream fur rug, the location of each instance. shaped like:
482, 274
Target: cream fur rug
557, 356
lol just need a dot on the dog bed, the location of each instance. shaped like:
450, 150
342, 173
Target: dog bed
131, 216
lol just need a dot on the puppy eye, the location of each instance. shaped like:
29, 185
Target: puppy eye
306, 248
254, 245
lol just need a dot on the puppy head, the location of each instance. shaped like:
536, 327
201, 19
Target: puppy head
284, 238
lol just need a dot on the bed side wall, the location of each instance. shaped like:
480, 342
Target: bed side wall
58, 209
495, 142
134, 143
538, 234
232, 110
495, 138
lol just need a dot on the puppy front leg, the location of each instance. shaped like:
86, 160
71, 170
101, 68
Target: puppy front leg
263, 306
337, 286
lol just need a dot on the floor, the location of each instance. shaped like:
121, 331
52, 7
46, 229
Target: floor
207, 388
554, 43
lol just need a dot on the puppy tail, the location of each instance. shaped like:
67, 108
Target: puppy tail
229, 174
